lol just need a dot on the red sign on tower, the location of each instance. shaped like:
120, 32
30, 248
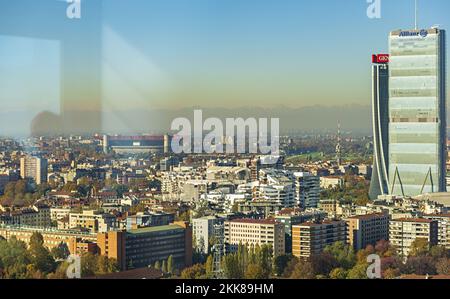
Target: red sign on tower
380, 58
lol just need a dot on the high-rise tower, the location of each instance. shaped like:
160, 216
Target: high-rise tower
380, 120
417, 112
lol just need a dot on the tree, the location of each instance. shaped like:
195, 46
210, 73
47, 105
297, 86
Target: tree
255, 271
197, 271
443, 266
60, 252
420, 265
290, 267
209, 266
265, 258
438, 252
164, 267
170, 265
323, 263
358, 272
342, 253
391, 273
419, 247
338, 273
106, 265
303, 270
157, 265
384, 249
280, 263
88, 265
42, 260
232, 270
13, 258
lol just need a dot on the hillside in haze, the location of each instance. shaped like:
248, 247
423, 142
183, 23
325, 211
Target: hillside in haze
354, 118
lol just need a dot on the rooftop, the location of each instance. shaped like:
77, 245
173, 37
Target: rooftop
253, 221
416, 220
367, 216
153, 229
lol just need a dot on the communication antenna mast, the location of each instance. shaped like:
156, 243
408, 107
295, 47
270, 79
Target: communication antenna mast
338, 145
218, 250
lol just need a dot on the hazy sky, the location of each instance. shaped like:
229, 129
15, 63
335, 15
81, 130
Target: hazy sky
181, 53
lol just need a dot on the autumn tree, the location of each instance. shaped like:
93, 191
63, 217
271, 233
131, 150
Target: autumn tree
303, 270
338, 273
42, 259
197, 271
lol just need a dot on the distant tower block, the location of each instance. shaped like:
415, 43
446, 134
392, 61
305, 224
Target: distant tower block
166, 144
105, 144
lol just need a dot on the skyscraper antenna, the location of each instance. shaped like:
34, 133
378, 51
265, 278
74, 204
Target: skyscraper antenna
415, 15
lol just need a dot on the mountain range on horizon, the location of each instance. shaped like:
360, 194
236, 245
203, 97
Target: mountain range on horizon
353, 118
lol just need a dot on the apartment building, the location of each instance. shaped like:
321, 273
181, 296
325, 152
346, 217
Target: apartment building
203, 231
443, 228
59, 213
363, 230
404, 231
309, 239
307, 189
52, 237
293, 216
253, 232
34, 168
148, 219
144, 246
93, 221
35, 216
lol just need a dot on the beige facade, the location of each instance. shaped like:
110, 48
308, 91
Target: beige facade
253, 232
93, 221
309, 239
403, 232
34, 168
367, 229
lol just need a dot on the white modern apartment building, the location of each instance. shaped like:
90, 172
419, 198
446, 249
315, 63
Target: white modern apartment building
307, 189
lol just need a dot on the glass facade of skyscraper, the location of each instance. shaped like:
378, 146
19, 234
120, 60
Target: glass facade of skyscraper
417, 112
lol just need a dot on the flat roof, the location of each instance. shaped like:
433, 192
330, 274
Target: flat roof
152, 229
253, 221
367, 216
418, 220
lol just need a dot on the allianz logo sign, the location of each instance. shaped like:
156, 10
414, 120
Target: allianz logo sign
421, 33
